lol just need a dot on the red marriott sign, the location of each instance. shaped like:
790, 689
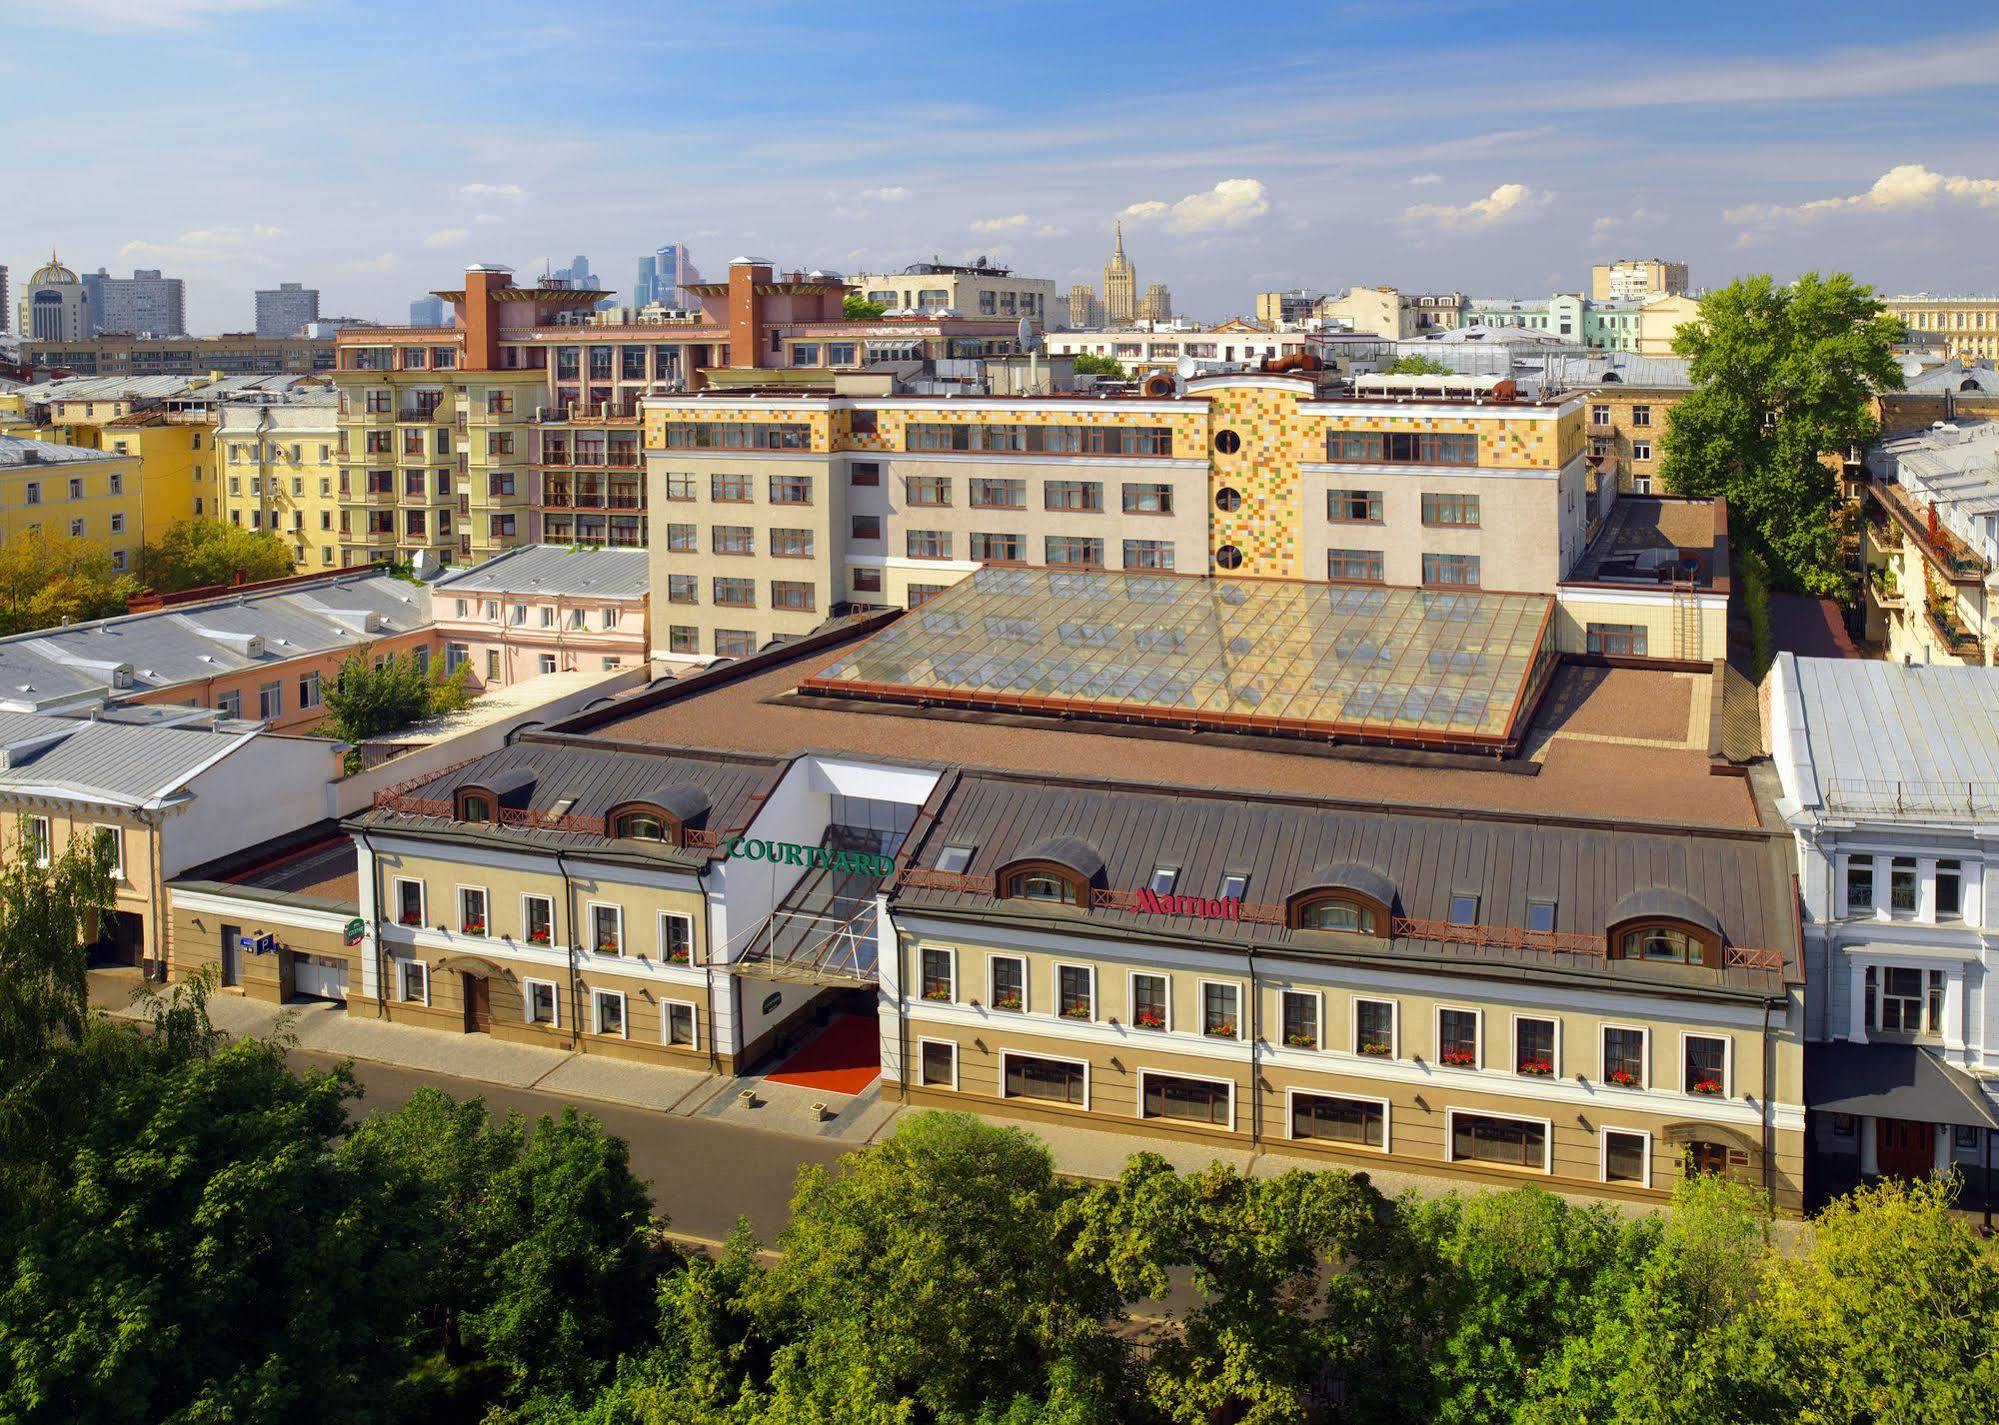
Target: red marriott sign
1149, 902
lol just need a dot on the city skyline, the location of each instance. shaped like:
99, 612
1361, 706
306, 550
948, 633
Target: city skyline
1421, 146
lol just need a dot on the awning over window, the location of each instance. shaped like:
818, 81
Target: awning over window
1893, 1081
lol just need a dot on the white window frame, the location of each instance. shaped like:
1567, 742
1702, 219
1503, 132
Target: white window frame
1644, 1083
591, 908
950, 954
485, 901
1083, 1107
554, 1000
1846, 910
1131, 1000
1547, 1167
1603, 1152
1201, 1011
1138, 1108
118, 845
597, 1012
1026, 987
396, 884
664, 917
1394, 1026
1727, 1065
1478, 1037
1556, 1058
1387, 1119
693, 1009
1055, 990
41, 832
1318, 1017
527, 896
402, 962
952, 1045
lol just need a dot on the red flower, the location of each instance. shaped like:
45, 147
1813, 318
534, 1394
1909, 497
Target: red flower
1460, 1058
1623, 1079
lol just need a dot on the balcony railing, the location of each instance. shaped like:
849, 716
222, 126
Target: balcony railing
1950, 554
1960, 640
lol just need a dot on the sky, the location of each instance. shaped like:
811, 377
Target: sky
375, 149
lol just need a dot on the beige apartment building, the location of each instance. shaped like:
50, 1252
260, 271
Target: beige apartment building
978, 289
1637, 279
1967, 325
278, 470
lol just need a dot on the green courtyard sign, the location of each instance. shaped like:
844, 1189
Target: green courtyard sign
356, 932
792, 853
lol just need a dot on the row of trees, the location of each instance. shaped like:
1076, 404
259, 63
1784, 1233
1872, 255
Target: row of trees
192, 1231
51, 579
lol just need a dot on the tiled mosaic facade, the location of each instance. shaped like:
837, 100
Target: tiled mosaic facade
1269, 435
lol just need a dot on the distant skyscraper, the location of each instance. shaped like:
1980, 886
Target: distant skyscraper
1120, 286
55, 306
1085, 311
281, 312
664, 278
427, 312
1158, 304
144, 304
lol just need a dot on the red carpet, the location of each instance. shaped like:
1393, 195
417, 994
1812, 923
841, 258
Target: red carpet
844, 1058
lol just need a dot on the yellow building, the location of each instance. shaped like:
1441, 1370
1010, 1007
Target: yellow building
1120, 286
1659, 319
1635, 279
280, 471
71, 490
1969, 326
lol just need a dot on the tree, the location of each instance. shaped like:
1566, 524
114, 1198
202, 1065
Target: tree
1783, 378
47, 580
369, 700
859, 309
202, 553
1416, 366
1088, 364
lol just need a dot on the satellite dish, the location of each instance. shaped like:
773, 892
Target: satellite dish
1187, 368
1025, 333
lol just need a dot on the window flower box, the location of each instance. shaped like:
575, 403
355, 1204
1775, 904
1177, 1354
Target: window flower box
1076, 1011
608, 945
474, 927
1622, 1079
1302, 1040
676, 957
1459, 1059
1537, 1068
1011, 1002
939, 994
1710, 1088
410, 919
1221, 1029
1375, 1049
538, 937
1149, 1019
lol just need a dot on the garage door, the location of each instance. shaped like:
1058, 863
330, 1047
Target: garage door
319, 976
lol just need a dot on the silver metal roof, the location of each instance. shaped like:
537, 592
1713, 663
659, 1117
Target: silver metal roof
555, 569
1900, 739
106, 761
18, 452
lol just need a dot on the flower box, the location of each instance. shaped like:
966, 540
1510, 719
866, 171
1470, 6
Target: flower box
538, 937
607, 947
676, 957
1224, 1030
415, 920
475, 927
1076, 1011
1622, 1079
940, 995
1302, 1040
1376, 1050
1710, 1087
1538, 1068
1459, 1059
1007, 1002
1149, 1019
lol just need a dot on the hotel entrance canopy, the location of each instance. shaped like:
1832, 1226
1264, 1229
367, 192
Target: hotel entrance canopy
1449, 669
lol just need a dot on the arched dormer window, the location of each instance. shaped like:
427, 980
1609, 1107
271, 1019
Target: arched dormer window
1058, 871
1664, 927
644, 823
1356, 900
663, 814
488, 798
475, 804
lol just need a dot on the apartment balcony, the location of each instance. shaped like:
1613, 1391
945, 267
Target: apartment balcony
1958, 639
1602, 428
1884, 586
422, 415
1949, 555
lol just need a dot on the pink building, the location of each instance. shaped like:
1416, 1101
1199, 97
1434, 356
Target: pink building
544, 609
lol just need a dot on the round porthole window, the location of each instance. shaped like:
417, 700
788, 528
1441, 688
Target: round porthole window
1228, 499
1229, 557
1227, 442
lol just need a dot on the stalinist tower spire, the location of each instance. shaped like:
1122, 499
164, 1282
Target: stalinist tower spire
1120, 286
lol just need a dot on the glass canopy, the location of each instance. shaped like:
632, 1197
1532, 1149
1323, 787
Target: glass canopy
1364, 661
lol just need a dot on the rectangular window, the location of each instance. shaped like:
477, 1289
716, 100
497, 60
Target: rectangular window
415, 981
680, 539
1623, 1057
1066, 551
1052, 1080
1706, 1067
734, 642
867, 581
683, 589
1457, 1038
928, 544
1860, 885
735, 593
110, 841
1148, 554
791, 543
1009, 983
682, 638
1451, 510
940, 973
471, 910
1617, 640
1075, 496
1627, 1157
1904, 1000
1353, 506
1950, 890
1541, 917
409, 902
1301, 1019
680, 487
1149, 1003
1374, 1028
1148, 499
997, 548
733, 539
1534, 1047
729, 489
927, 490
677, 1024
1641, 450
1902, 887
791, 489
270, 700
1641, 415
867, 527
1510, 1142
540, 1003
676, 938
1401, 448
1340, 1120
937, 1064
864, 473
1450, 571
1075, 992
607, 1013
796, 596
1221, 1016
38, 839
538, 920
607, 929
989, 494
1190, 1100
1355, 566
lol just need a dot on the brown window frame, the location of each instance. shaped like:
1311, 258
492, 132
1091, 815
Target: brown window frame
1296, 908
1076, 889
1709, 942
675, 834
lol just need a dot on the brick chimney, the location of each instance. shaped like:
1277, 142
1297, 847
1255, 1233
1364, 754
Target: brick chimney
746, 307
480, 319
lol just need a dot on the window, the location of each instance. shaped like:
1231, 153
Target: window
734, 643
409, 902
1599, 415
1052, 1080
1451, 510
791, 543
1451, 571
735, 593
1401, 448
1457, 1038
683, 589
1301, 1019
545, 663
607, 929
1705, 1070
607, 1013
540, 1002
1079, 496
1340, 1120
869, 527
1902, 890
1641, 450
1075, 991
1509, 1142
1073, 552
1541, 917
680, 539
937, 1064
928, 544
1374, 1028
1332, 911
676, 1024
230, 704
997, 548
927, 490
1904, 1000
1227, 442
110, 845
1009, 983
1627, 1156
939, 975
991, 494
1641, 415
1358, 566
1535, 1047
1209, 1101
1623, 1057
729, 489
1221, 1016
414, 981
1617, 640
954, 859
1150, 1002
679, 487
1228, 499
1671, 942
1353, 506
733, 539
1234, 885
791, 489
1950, 890
866, 473
1148, 499
1859, 885
37, 839
538, 920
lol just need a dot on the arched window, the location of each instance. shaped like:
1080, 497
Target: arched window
1338, 912
1058, 871
1051, 884
642, 824
1352, 899
1669, 942
475, 804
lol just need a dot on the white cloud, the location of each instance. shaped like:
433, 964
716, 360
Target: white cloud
1018, 223
1508, 200
1904, 187
126, 15
204, 244
896, 194
492, 190
1231, 203
385, 263
446, 237
486, 220
1423, 180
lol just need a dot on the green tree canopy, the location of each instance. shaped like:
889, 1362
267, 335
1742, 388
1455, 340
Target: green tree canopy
202, 553
1783, 380
368, 700
1089, 364
859, 309
1416, 366
48, 579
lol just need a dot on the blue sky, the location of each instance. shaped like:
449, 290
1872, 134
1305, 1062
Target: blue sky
374, 149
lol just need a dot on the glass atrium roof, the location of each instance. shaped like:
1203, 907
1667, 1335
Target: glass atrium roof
1364, 661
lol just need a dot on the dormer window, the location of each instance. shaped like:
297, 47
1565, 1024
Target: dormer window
1058, 871
1045, 886
475, 804
643, 824
1664, 927
1353, 900
663, 814
1338, 912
